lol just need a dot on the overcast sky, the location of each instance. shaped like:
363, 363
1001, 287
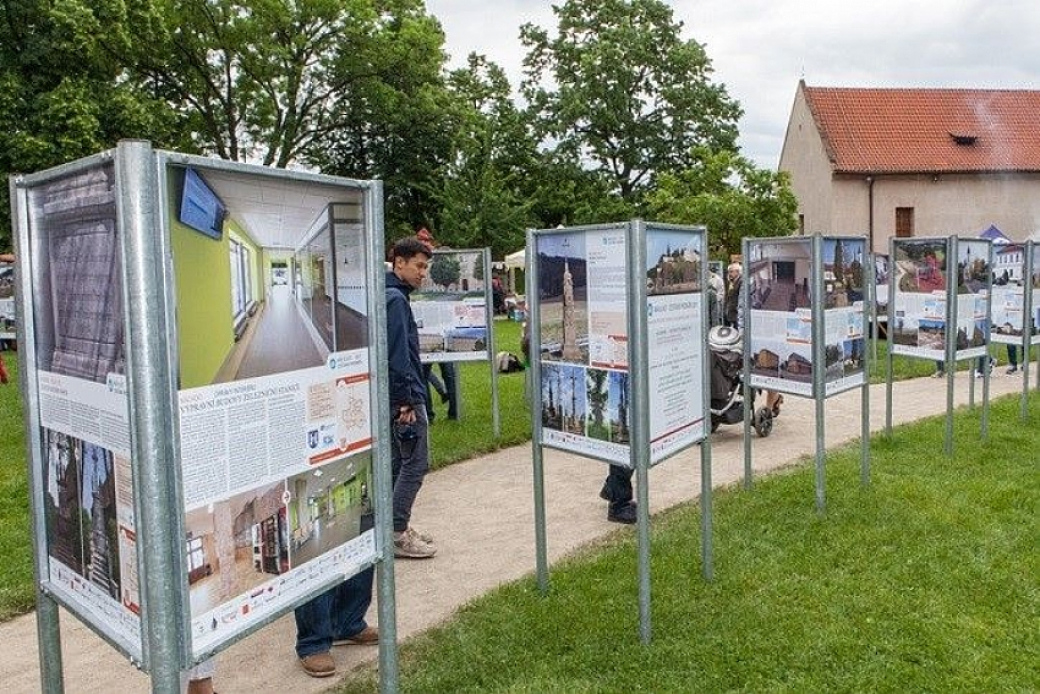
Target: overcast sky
760, 49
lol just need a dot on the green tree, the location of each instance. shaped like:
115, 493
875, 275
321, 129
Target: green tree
482, 199
64, 93
629, 96
397, 124
729, 195
445, 270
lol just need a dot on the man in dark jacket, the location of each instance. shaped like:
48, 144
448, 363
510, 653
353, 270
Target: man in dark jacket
410, 452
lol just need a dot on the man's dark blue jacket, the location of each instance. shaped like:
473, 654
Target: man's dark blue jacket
407, 384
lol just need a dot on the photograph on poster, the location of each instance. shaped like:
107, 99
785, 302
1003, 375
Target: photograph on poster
919, 327
77, 302
325, 507
881, 283
778, 275
562, 292
782, 359
81, 510
674, 262
564, 397
1008, 305
843, 271
270, 279
920, 266
618, 406
450, 307
234, 545
973, 275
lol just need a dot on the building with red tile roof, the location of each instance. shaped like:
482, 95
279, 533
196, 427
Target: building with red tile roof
914, 162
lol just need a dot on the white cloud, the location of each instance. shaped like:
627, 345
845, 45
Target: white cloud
760, 49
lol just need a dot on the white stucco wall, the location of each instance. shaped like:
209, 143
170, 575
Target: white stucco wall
805, 158
962, 204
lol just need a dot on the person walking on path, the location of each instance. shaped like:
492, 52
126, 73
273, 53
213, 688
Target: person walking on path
410, 449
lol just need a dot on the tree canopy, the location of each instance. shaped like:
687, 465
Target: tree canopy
621, 114
618, 88
729, 195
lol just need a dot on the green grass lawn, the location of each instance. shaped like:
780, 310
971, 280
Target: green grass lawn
927, 581
473, 433
17, 594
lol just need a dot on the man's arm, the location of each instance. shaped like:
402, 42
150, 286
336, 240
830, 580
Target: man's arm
398, 360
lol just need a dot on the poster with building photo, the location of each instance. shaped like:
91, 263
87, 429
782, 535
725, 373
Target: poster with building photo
778, 273
845, 271
274, 391
973, 299
881, 270
83, 412
1007, 304
676, 358
451, 309
919, 327
584, 342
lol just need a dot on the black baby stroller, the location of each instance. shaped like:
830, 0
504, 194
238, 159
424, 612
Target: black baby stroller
727, 390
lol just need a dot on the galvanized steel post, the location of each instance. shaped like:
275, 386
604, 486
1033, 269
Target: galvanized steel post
151, 392
379, 389
819, 366
638, 379
48, 628
534, 337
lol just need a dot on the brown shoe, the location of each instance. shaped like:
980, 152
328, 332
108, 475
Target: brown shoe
318, 664
369, 636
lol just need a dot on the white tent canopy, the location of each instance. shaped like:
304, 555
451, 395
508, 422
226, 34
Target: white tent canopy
516, 261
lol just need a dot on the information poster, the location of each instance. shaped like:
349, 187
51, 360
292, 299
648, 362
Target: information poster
1009, 290
844, 272
451, 308
919, 327
88, 504
973, 274
778, 273
584, 391
275, 412
676, 358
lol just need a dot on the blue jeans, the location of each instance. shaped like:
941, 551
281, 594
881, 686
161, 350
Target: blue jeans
409, 463
338, 613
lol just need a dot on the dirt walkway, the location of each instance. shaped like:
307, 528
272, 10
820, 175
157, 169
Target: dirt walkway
481, 514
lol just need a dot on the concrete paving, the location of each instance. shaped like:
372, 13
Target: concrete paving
481, 513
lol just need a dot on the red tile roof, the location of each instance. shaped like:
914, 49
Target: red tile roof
916, 130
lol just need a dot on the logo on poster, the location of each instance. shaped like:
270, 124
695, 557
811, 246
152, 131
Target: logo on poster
312, 438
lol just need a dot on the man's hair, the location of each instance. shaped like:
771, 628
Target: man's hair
734, 266
409, 247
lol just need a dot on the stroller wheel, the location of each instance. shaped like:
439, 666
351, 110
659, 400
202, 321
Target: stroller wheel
763, 421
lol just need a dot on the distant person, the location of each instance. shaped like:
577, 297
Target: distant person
731, 304
1012, 352
446, 388
716, 298
617, 490
409, 448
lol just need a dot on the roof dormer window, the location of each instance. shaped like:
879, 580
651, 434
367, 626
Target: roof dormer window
963, 139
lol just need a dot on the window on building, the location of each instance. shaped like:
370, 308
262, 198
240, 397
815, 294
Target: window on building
801, 225
196, 556
241, 287
904, 222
